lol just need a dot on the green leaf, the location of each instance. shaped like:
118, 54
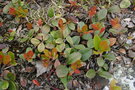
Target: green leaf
56, 34
91, 73
125, 3
4, 85
14, 1
45, 29
90, 43
80, 46
97, 41
105, 74
102, 14
67, 52
74, 57
35, 41
66, 32
114, 9
55, 23
100, 61
105, 66
41, 47
50, 12
60, 47
87, 37
64, 80
110, 56
86, 53
11, 55
12, 86
61, 71
31, 32
59, 40
81, 24
49, 46
69, 40
10, 76
76, 40
71, 26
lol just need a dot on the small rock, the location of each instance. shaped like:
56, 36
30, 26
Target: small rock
132, 47
129, 41
119, 58
127, 61
131, 54
133, 20
130, 25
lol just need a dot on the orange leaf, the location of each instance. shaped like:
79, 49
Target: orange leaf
104, 45
112, 41
61, 25
29, 26
40, 22
84, 28
91, 31
6, 59
92, 11
46, 62
36, 82
96, 26
70, 73
12, 11
76, 65
115, 23
73, 3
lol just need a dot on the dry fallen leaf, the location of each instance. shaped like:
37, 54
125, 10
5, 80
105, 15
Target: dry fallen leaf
57, 63
23, 81
41, 69
112, 41
121, 50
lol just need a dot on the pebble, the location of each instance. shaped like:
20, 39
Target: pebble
131, 54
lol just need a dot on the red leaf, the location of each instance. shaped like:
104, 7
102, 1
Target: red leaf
36, 82
40, 22
77, 71
102, 30
73, 3
10, 30
92, 11
1, 23
12, 11
28, 56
